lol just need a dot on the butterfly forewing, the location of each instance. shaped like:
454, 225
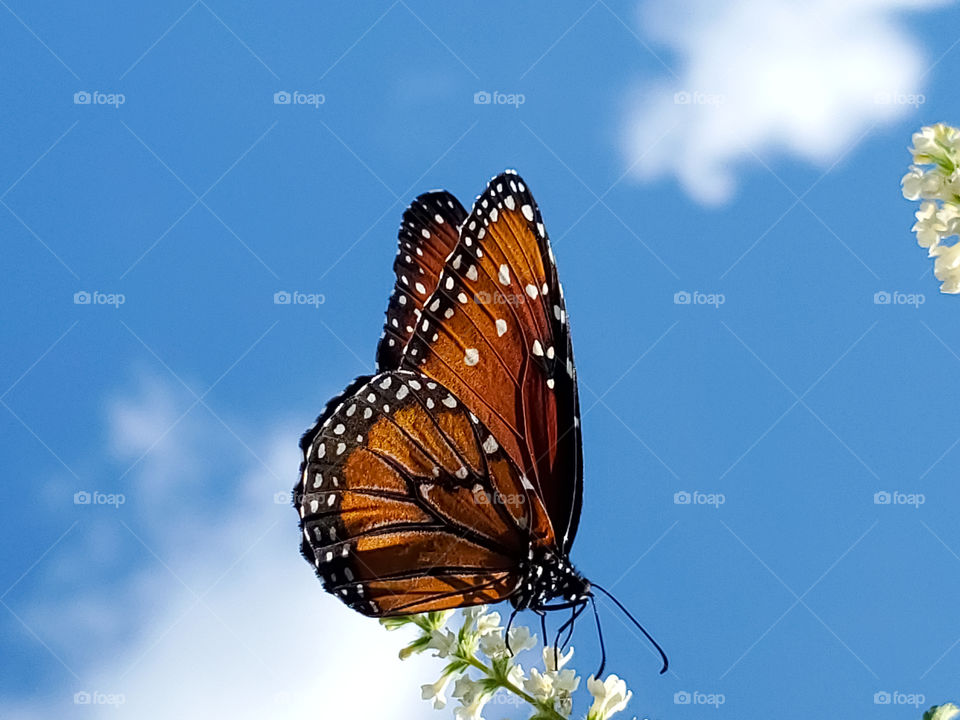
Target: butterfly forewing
496, 333
428, 232
408, 503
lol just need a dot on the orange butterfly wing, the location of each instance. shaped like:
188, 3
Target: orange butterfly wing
496, 333
407, 503
428, 232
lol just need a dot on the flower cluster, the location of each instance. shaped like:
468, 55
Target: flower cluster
942, 712
482, 668
934, 178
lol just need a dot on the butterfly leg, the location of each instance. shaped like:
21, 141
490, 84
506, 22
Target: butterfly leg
603, 650
506, 635
575, 612
543, 631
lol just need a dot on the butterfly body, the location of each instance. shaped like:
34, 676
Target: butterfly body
548, 576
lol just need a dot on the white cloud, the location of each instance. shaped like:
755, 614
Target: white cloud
804, 79
265, 641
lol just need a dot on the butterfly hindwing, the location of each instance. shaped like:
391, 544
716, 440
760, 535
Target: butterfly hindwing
428, 232
408, 503
496, 333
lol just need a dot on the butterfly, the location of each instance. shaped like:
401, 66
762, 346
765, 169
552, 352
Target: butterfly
453, 476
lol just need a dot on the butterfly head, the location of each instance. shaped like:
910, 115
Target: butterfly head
546, 576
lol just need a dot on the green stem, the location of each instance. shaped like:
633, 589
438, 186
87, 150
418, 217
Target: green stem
506, 684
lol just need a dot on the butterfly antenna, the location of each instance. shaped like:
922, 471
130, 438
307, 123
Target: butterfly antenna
603, 649
626, 612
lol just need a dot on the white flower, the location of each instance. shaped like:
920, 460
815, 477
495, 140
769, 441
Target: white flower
466, 688
946, 712
515, 675
936, 144
443, 641
492, 646
609, 696
566, 681
495, 647
435, 692
929, 228
554, 661
924, 144
949, 216
472, 698
488, 623
480, 620
947, 267
540, 685
472, 710
521, 639
918, 184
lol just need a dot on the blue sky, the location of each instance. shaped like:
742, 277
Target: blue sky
797, 399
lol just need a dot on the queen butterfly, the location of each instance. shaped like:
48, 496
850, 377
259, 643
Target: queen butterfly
454, 475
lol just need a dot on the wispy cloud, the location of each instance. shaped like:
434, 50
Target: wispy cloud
768, 77
231, 622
